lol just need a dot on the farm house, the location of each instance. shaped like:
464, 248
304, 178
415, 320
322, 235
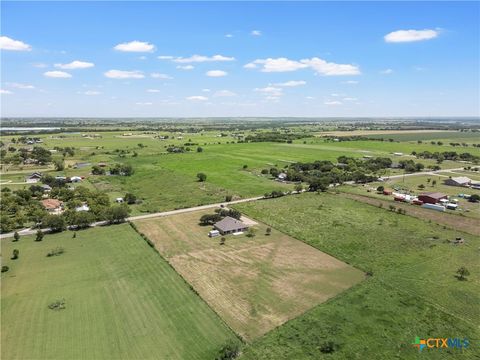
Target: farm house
229, 225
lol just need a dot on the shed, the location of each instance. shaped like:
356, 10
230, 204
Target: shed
458, 181
229, 225
213, 233
432, 197
34, 177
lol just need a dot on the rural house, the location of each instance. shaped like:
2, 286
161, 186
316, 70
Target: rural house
33, 178
432, 197
229, 225
53, 206
458, 181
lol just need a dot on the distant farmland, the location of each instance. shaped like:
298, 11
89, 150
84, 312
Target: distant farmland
122, 301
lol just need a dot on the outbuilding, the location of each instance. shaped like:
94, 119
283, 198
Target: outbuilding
229, 225
458, 181
432, 197
33, 178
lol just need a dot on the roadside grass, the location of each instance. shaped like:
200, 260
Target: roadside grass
413, 291
122, 301
254, 283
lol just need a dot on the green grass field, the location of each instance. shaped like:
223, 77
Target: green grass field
413, 291
123, 301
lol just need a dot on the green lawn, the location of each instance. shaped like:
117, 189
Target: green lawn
413, 291
123, 301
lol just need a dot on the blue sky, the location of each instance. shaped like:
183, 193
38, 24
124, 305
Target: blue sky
122, 59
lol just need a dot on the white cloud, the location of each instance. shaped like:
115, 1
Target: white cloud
276, 65
332, 102
135, 46
386, 72
291, 83
144, 103
206, 90
39, 65
411, 35
7, 43
216, 73
321, 66
256, 33
335, 95
21, 86
224, 93
350, 82
185, 67
350, 99
270, 90
165, 57
90, 92
75, 65
202, 58
309, 98
161, 76
153, 90
197, 98
120, 74
57, 74
5, 92
229, 36
143, 57
250, 66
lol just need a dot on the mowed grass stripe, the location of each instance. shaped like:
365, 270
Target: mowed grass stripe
122, 301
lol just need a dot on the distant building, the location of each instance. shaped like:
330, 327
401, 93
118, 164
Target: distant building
229, 225
432, 197
75, 179
46, 188
84, 207
458, 181
33, 178
119, 200
53, 206
282, 176
213, 233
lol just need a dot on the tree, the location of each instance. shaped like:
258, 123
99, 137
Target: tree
245, 166
130, 198
462, 273
210, 219
97, 170
298, 188
268, 231
199, 149
421, 186
474, 198
80, 219
251, 232
222, 241
228, 198
59, 165
15, 254
39, 235
228, 351
16, 236
201, 177
117, 213
56, 223
434, 182
380, 189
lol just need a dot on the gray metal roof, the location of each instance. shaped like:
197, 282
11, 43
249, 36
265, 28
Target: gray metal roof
228, 224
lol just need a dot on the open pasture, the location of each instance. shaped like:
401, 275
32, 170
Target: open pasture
254, 283
122, 301
412, 292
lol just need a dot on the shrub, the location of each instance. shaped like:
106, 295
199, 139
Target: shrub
251, 232
15, 254
462, 273
328, 347
16, 236
268, 231
222, 241
5, 268
201, 177
228, 198
39, 235
228, 351
380, 188
57, 305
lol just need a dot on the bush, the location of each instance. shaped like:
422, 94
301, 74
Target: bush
201, 177
16, 236
251, 233
380, 189
39, 235
54, 222
228, 198
57, 305
328, 347
5, 268
268, 231
222, 241
15, 254
228, 351
130, 198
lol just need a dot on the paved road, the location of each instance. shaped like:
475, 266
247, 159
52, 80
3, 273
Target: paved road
147, 216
